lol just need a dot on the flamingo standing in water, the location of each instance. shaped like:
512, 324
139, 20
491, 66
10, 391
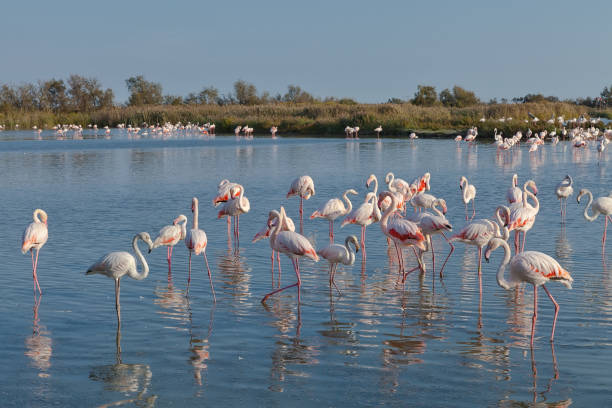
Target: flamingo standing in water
523, 215
532, 267
378, 130
196, 242
304, 187
237, 205
293, 245
514, 193
364, 215
424, 200
117, 264
469, 194
170, 235
34, 237
273, 131
333, 209
336, 253
402, 232
563, 191
602, 205
224, 194
433, 224
288, 225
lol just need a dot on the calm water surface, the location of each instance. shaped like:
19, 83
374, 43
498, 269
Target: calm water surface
379, 343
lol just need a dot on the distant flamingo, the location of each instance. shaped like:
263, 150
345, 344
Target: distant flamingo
364, 215
469, 194
273, 131
117, 264
288, 225
514, 193
602, 205
563, 191
333, 209
196, 242
236, 206
402, 232
170, 235
304, 187
34, 237
293, 245
336, 253
530, 267
378, 130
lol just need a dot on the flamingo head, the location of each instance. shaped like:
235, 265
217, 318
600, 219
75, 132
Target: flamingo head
370, 180
179, 219
582, 192
194, 204
492, 246
43, 216
147, 239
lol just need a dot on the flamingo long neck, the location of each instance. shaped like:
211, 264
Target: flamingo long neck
435, 205
375, 181
528, 194
276, 227
349, 205
389, 179
385, 217
143, 261
195, 214
464, 188
183, 225
37, 212
586, 209
501, 281
351, 254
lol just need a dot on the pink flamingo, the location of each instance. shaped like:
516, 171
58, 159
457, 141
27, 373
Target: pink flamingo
364, 215
304, 187
403, 233
170, 235
34, 237
514, 193
523, 215
333, 209
424, 200
117, 264
469, 194
196, 242
288, 225
602, 205
224, 194
336, 253
433, 224
293, 245
563, 191
237, 205
532, 267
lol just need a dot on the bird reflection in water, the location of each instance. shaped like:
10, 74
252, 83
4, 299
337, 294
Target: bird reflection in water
290, 352
200, 348
235, 275
127, 379
338, 333
174, 305
563, 248
39, 347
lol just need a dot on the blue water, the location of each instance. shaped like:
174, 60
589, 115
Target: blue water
377, 344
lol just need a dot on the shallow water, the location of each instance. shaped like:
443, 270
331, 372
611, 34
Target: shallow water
378, 343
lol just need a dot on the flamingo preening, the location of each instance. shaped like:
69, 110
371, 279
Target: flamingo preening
602, 205
196, 242
224, 194
468, 194
531, 267
170, 235
304, 187
563, 191
117, 264
293, 245
333, 209
364, 215
34, 237
237, 205
336, 253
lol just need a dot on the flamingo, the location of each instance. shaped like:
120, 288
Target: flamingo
304, 187
34, 238
273, 131
469, 194
563, 191
170, 235
402, 232
480, 232
333, 209
237, 205
433, 224
364, 215
523, 214
532, 267
424, 200
336, 253
397, 184
265, 233
514, 193
378, 130
293, 245
196, 242
224, 194
602, 205
117, 264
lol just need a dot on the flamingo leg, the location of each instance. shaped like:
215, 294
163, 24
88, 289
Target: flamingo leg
229, 223
421, 266
603, 241
452, 248
33, 271
238, 231
535, 312
466, 212
399, 257
35, 274
189, 276
552, 335
117, 302
524, 239
516, 242
333, 279
479, 270
272, 259
301, 213
473, 209
363, 253
561, 202
210, 278
331, 231
433, 258
279, 268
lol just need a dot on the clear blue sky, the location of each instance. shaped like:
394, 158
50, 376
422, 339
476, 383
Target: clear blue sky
367, 50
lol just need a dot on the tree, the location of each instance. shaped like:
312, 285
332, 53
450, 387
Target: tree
295, 94
86, 94
173, 100
447, 98
606, 95
245, 93
463, 97
425, 96
395, 100
143, 92
52, 95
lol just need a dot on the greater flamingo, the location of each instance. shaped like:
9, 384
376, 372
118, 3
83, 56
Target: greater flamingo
397, 184
403, 233
170, 235
364, 215
468, 194
523, 215
532, 267
333, 209
196, 242
304, 187
288, 225
224, 194
117, 264
336, 253
378, 130
293, 245
236, 206
602, 205
514, 193
34, 237
563, 191
424, 200
433, 224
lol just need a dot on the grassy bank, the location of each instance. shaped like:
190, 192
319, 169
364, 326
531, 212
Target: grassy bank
325, 119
